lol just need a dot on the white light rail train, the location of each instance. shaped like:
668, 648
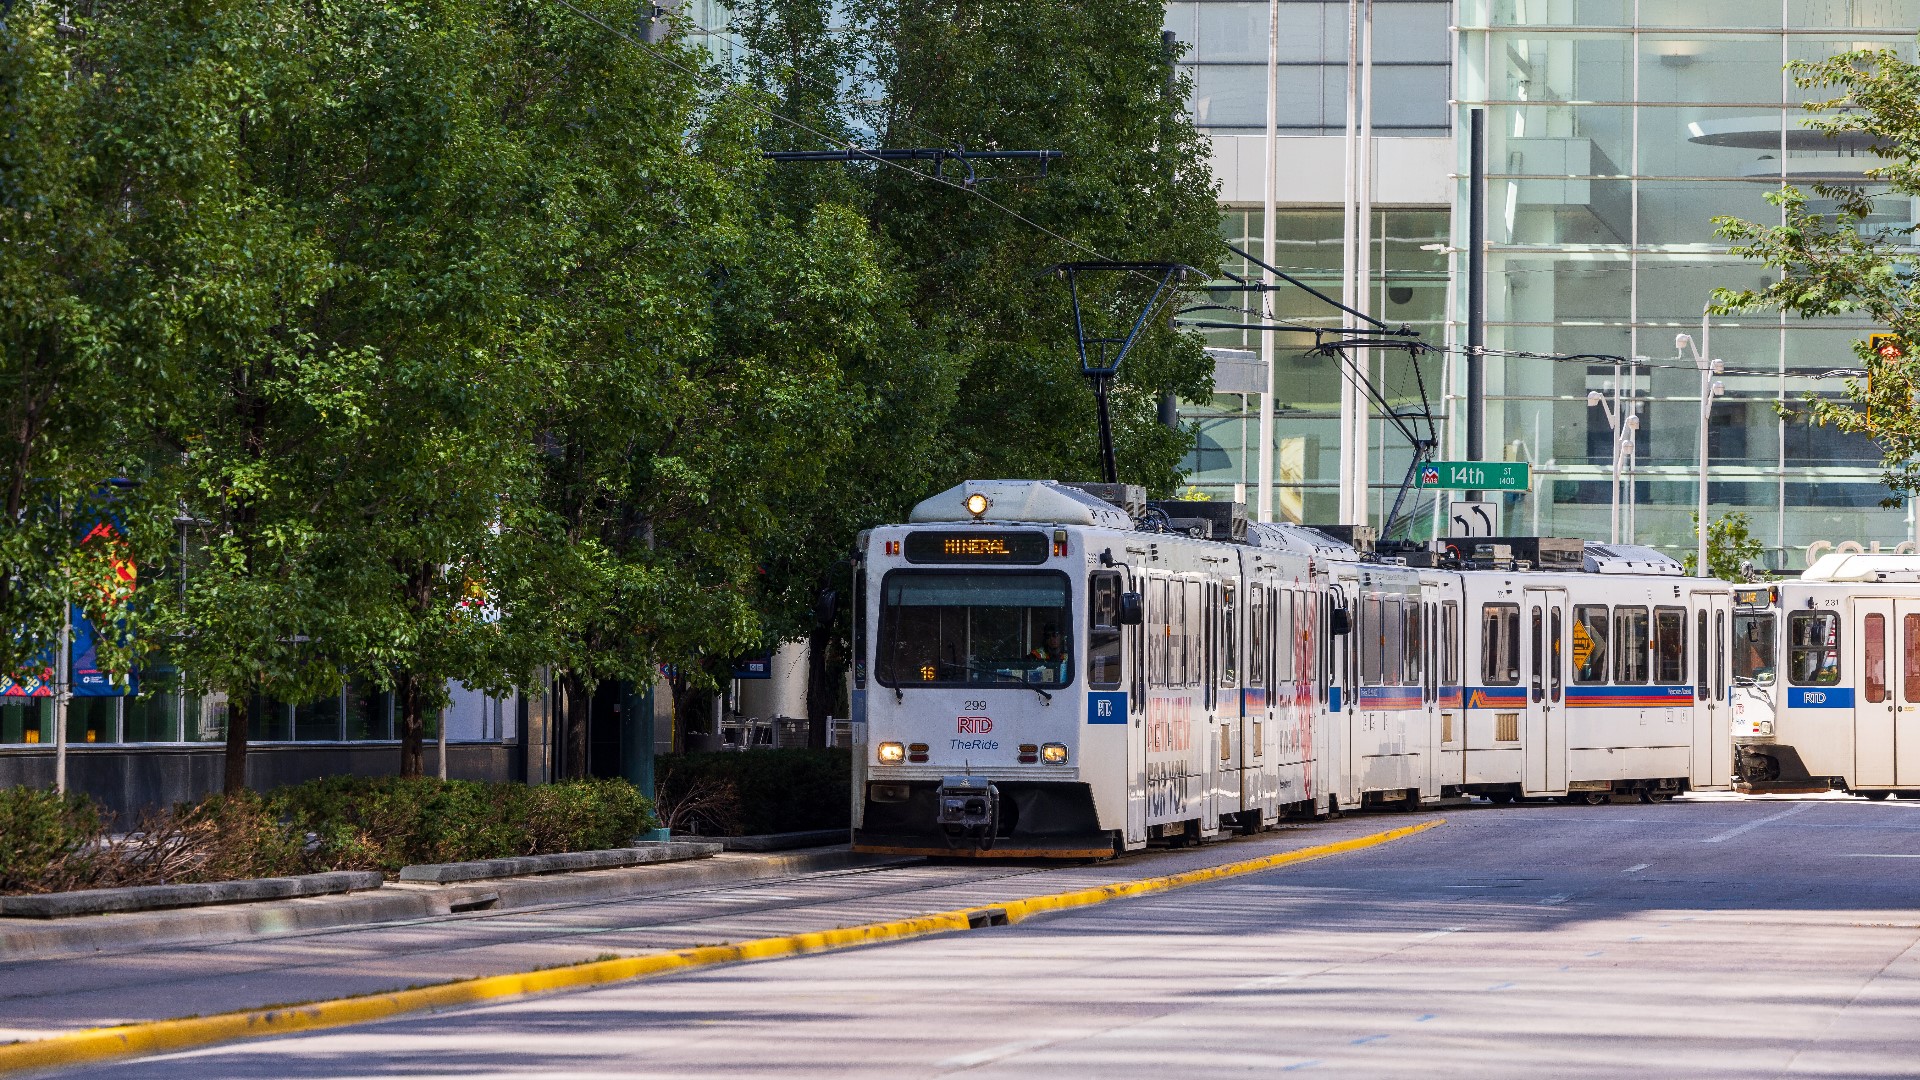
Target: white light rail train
1040, 672
1827, 678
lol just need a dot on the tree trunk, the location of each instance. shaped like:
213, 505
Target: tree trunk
236, 754
412, 731
577, 705
819, 687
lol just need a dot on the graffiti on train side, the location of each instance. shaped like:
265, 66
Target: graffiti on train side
1170, 788
1169, 725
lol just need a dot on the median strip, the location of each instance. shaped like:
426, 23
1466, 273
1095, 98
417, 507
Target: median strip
167, 1036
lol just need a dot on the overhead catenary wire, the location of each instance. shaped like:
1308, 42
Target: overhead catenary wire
832, 141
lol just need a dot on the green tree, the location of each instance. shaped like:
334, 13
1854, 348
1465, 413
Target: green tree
79, 371
1731, 546
690, 365
978, 376
1835, 260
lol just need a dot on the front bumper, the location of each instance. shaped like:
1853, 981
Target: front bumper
1038, 820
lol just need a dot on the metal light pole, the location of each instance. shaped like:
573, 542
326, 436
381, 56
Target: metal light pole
1263, 471
62, 698
1710, 388
1597, 400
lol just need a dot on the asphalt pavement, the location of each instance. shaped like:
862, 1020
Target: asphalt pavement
1712, 937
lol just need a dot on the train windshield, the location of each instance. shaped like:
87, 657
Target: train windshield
1753, 646
946, 628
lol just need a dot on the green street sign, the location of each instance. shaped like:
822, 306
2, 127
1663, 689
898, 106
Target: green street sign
1477, 475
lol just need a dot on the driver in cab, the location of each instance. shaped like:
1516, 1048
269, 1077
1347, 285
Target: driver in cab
1051, 649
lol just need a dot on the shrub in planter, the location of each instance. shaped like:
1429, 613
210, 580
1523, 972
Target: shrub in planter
584, 815
763, 791
385, 823
43, 836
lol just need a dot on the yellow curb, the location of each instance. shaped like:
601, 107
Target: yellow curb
165, 1036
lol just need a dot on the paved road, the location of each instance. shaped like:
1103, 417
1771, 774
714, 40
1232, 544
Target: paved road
38, 997
1712, 938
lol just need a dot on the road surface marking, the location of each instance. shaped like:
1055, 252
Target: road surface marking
166, 1036
994, 1053
1874, 855
1636, 868
1756, 823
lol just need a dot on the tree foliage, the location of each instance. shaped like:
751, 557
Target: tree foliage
1835, 259
476, 340
1732, 549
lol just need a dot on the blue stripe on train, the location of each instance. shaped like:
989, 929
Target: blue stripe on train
1823, 697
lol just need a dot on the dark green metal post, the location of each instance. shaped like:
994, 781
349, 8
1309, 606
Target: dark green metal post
636, 743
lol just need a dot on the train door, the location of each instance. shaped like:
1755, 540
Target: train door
1713, 715
1906, 678
1874, 704
1545, 742
1137, 670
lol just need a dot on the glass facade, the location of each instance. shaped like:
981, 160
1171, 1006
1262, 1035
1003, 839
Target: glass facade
1227, 58
360, 713
1617, 130
1410, 289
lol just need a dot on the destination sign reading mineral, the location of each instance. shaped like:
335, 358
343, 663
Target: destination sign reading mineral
978, 547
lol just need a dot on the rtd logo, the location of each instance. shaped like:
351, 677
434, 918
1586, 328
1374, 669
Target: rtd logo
976, 725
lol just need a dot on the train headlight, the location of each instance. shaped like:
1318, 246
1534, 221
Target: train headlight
891, 753
1054, 753
977, 504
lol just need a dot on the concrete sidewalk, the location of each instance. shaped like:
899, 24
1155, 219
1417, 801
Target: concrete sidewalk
398, 901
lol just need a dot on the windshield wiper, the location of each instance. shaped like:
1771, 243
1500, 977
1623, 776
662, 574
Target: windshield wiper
1044, 696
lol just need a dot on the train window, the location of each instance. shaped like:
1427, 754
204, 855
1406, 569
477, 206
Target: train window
1630, 642
1209, 641
1256, 635
1873, 656
860, 625
1393, 643
1813, 648
1373, 641
1669, 646
1414, 646
1230, 641
1556, 666
1720, 656
1700, 663
968, 628
1500, 644
1103, 630
1539, 665
1910, 658
1162, 634
1753, 646
1589, 644
1450, 644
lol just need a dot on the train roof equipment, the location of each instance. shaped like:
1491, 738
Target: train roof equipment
1845, 566
1630, 559
1028, 501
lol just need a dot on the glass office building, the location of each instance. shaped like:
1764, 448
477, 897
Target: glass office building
1616, 131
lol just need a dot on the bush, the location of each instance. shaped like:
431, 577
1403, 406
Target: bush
42, 835
384, 823
51, 843
760, 791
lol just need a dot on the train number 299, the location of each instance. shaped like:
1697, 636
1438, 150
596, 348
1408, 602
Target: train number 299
972, 705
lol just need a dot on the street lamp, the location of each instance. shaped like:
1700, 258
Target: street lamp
1623, 429
1710, 388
